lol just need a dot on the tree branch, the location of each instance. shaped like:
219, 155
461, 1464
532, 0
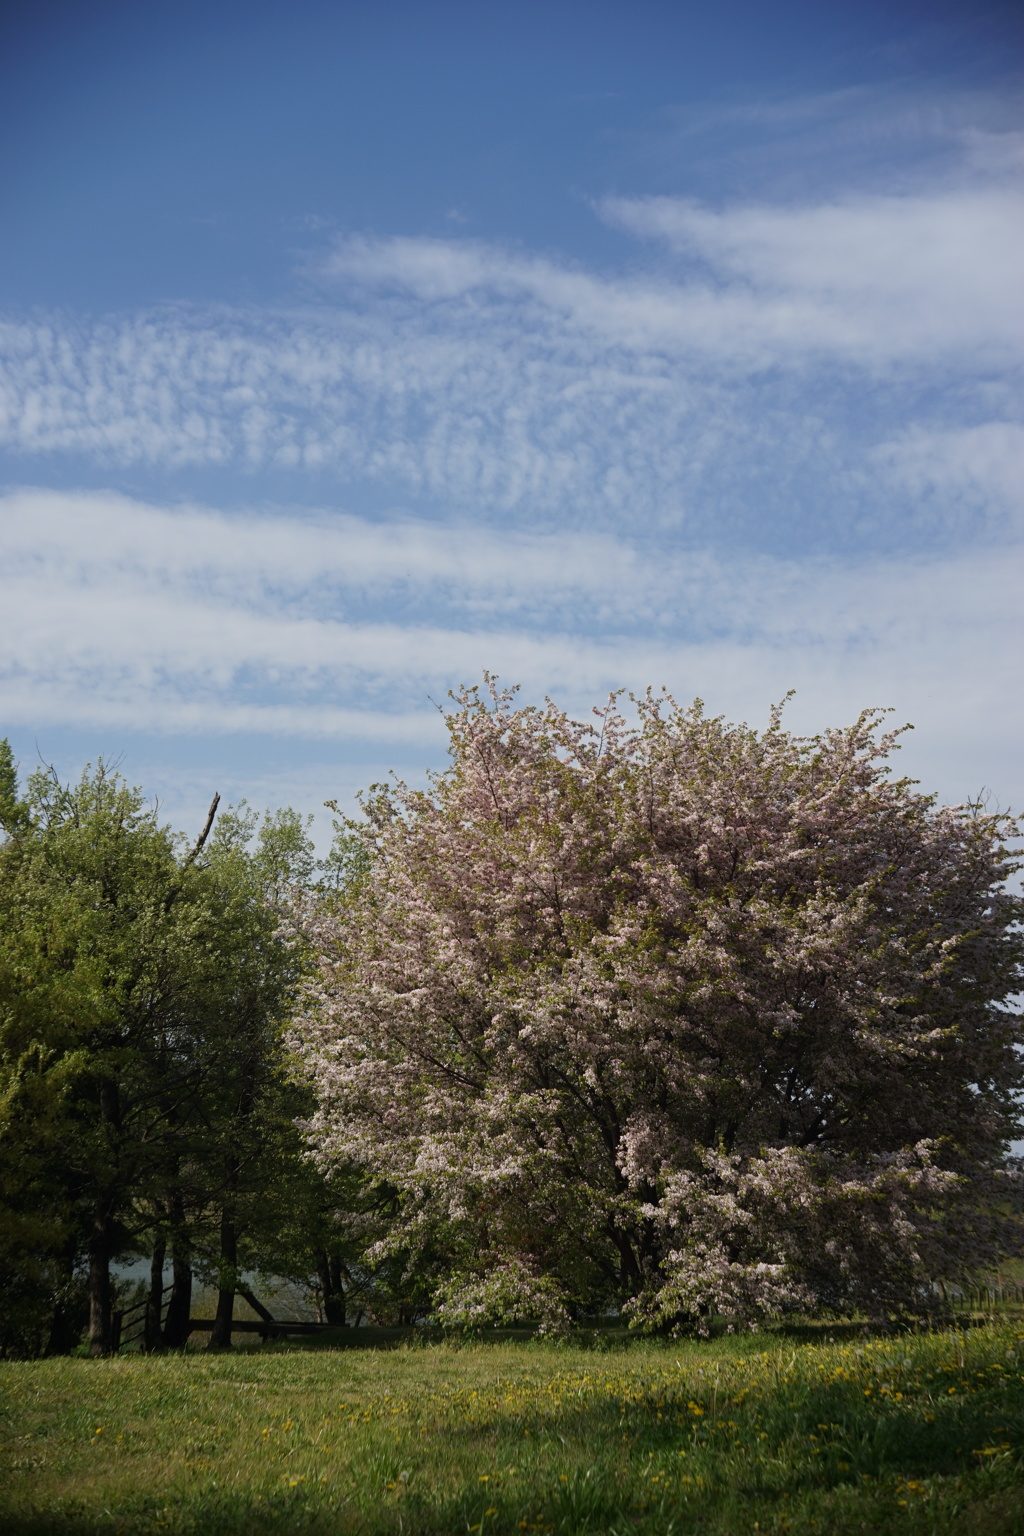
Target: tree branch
204, 834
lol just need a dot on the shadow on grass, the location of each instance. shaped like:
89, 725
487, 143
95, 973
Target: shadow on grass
577, 1510
800, 1455
599, 1469
369, 1338
603, 1334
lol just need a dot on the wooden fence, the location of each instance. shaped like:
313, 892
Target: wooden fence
129, 1324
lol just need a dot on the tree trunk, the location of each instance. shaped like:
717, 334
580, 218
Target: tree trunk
179, 1308
220, 1337
332, 1289
155, 1300
67, 1319
101, 1322
100, 1297
335, 1308
323, 1274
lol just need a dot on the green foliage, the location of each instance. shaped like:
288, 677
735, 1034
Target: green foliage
284, 854
96, 958
143, 1087
13, 812
348, 861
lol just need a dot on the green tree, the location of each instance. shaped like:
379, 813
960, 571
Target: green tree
245, 1141
103, 951
146, 1097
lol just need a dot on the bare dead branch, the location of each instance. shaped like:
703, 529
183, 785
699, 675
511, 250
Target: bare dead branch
204, 834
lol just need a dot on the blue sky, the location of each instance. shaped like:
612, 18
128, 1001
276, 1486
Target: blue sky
347, 350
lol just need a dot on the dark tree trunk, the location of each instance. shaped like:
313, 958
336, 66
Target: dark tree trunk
101, 1238
323, 1274
100, 1294
220, 1337
155, 1300
334, 1302
65, 1327
70, 1312
179, 1308
332, 1288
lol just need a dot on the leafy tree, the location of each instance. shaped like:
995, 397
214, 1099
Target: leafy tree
673, 1016
252, 1136
146, 1099
101, 954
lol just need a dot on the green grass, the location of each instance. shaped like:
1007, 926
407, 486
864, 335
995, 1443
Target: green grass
916, 1434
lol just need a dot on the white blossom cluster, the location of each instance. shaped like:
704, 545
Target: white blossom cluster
672, 1016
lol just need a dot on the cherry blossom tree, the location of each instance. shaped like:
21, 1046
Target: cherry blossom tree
672, 1015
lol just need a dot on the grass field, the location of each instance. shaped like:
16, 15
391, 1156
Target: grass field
916, 1434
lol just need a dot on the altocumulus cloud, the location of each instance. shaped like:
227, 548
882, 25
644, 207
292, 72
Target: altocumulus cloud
757, 366
780, 446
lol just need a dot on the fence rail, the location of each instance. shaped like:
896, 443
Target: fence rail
272, 1329
129, 1324
987, 1298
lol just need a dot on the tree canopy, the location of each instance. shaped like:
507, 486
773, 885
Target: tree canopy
673, 1016
655, 1014
145, 1099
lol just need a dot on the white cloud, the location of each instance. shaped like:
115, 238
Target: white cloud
600, 457
126, 616
734, 385
876, 279
980, 468
483, 412
872, 281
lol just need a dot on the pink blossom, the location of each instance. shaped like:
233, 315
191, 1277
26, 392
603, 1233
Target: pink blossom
674, 1016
